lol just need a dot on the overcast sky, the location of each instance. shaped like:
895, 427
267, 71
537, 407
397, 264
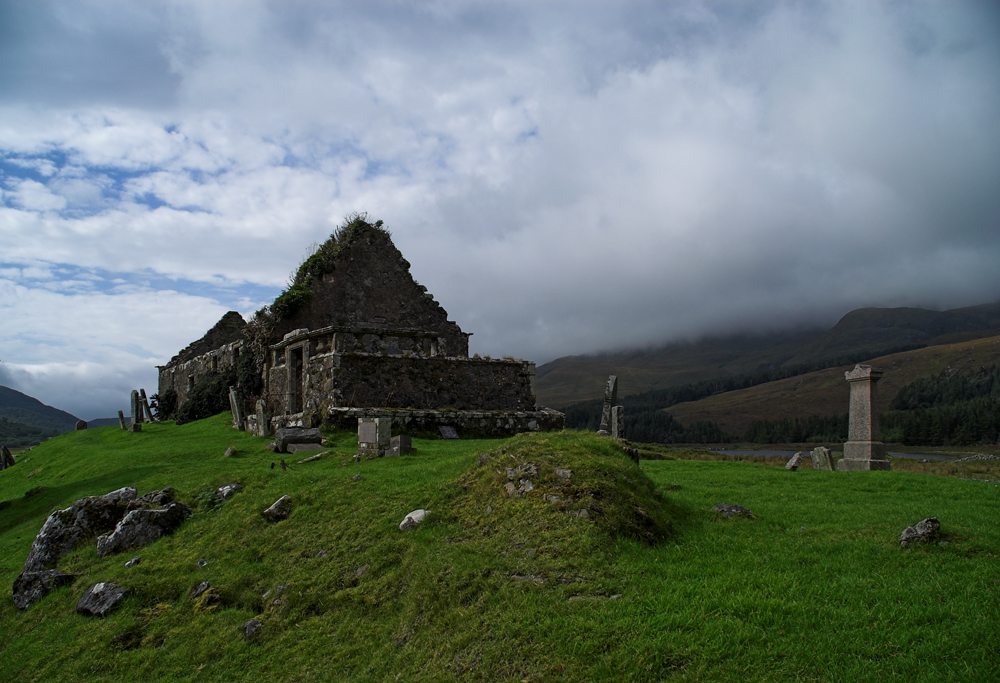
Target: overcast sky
565, 177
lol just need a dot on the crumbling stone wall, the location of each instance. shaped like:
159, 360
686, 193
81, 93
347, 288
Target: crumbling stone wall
181, 377
361, 379
229, 329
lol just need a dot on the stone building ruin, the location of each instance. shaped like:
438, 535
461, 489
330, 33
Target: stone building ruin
357, 337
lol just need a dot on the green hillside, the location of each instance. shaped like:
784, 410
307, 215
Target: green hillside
825, 392
864, 333
18, 407
650, 585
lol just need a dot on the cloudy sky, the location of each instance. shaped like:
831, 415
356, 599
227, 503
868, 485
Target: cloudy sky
565, 177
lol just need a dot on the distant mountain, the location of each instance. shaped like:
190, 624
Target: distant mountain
866, 331
24, 409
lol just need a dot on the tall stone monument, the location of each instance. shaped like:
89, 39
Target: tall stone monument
864, 449
618, 422
610, 399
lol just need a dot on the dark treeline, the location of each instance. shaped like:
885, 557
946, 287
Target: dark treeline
645, 420
16, 434
948, 389
815, 429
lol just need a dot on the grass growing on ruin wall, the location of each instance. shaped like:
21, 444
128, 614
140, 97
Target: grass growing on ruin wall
497, 588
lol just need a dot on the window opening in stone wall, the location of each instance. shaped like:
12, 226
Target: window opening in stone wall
215, 363
295, 381
190, 382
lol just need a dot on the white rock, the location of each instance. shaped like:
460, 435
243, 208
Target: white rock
413, 520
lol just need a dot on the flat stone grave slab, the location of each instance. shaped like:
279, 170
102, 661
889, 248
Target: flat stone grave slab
300, 447
448, 432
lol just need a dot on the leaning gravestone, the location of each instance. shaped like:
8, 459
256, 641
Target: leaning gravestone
6, 459
864, 449
80, 424
821, 459
234, 406
263, 428
145, 405
794, 462
610, 399
448, 432
121, 420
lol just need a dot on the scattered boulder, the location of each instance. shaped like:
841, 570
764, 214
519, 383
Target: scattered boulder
296, 435
133, 562
922, 532
794, 462
30, 587
732, 510
413, 520
80, 424
142, 526
226, 492
250, 628
821, 459
280, 509
100, 599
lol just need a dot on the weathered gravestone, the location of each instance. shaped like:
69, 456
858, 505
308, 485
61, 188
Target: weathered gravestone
81, 424
448, 432
374, 434
618, 422
135, 407
121, 420
794, 462
263, 427
236, 408
400, 445
821, 459
610, 399
6, 459
144, 402
864, 449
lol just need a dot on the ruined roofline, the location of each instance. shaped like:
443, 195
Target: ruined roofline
367, 328
227, 330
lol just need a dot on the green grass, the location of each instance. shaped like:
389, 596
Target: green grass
508, 589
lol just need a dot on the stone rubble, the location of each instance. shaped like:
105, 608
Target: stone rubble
279, 510
924, 531
100, 599
413, 520
727, 510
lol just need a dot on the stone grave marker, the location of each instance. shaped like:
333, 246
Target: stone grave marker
263, 428
81, 424
145, 405
136, 409
236, 408
864, 449
821, 459
610, 399
618, 422
374, 434
121, 420
6, 459
400, 445
448, 432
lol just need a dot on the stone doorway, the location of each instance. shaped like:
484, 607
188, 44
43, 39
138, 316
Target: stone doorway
295, 380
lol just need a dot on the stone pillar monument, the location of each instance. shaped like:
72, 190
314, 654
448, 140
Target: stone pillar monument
618, 422
864, 449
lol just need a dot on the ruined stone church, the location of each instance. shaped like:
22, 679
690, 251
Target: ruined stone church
357, 336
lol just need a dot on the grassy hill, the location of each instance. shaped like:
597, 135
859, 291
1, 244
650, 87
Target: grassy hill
863, 333
24, 409
650, 585
825, 392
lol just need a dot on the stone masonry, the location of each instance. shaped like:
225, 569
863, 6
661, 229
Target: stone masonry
864, 449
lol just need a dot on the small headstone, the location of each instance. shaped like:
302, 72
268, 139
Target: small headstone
230, 452
732, 510
447, 432
400, 445
821, 459
618, 422
81, 424
279, 510
263, 428
147, 411
100, 599
413, 520
135, 407
121, 419
374, 435
794, 462
6, 459
923, 531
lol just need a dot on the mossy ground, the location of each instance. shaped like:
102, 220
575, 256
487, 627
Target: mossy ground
498, 588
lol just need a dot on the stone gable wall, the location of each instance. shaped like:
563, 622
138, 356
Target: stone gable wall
182, 376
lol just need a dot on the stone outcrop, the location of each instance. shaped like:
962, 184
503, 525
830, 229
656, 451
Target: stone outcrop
31, 586
924, 531
140, 527
100, 599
